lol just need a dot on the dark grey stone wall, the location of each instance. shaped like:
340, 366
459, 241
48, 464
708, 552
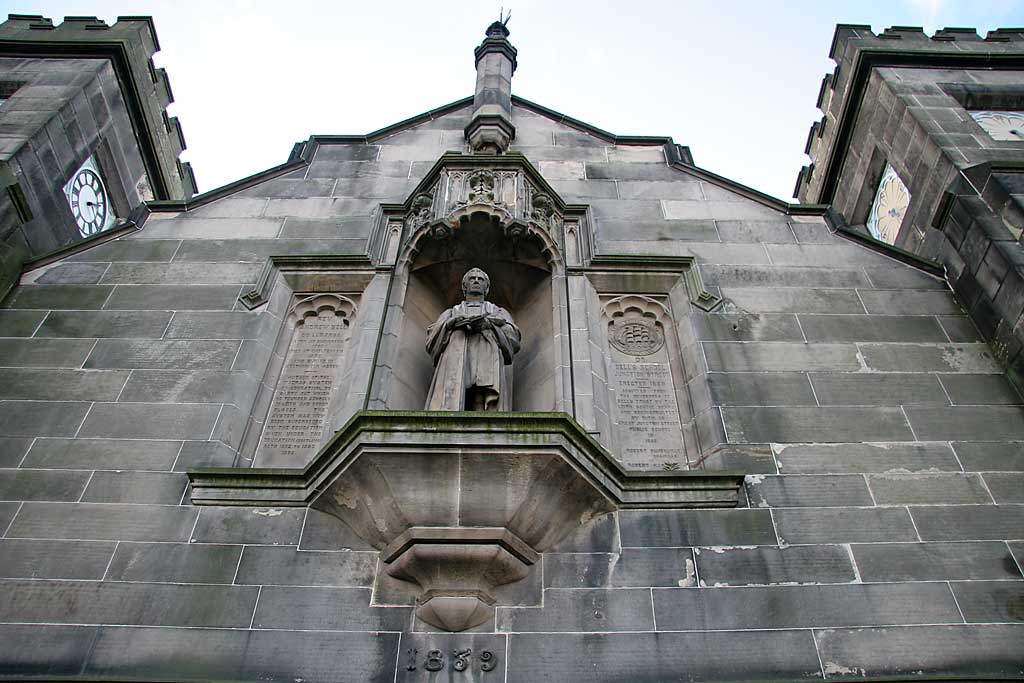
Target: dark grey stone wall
52, 124
913, 113
880, 534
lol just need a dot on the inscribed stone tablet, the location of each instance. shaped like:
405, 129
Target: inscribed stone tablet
298, 415
649, 430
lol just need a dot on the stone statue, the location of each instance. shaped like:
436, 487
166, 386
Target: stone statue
470, 345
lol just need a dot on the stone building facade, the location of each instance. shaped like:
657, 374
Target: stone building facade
746, 442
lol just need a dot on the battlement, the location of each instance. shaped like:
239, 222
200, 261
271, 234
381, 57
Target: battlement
856, 49
129, 44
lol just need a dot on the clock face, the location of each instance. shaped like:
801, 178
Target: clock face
1001, 125
889, 208
88, 200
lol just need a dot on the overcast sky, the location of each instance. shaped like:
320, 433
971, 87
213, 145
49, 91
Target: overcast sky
736, 81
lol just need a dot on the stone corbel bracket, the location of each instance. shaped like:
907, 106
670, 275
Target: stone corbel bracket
461, 503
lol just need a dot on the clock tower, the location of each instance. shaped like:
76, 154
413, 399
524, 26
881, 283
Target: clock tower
86, 139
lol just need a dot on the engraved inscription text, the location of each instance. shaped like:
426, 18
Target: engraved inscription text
297, 417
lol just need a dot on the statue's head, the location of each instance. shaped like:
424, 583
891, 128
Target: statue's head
475, 283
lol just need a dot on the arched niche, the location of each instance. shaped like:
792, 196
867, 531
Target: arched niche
317, 331
527, 279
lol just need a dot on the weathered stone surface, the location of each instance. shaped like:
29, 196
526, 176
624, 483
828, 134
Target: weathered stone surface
804, 606
325, 532
102, 454
174, 563
277, 657
194, 228
124, 324
103, 522
39, 418
841, 458
774, 357
783, 276
969, 522
82, 602
36, 650
803, 491
149, 421
20, 323
927, 488
671, 528
746, 327
264, 526
769, 424
34, 559
752, 389
934, 561
836, 253
189, 386
991, 456
55, 485
967, 423
291, 567
909, 302
844, 525
792, 300
632, 568
161, 488
877, 389
326, 609
777, 232
75, 297
217, 325
178, 297
258, 250
895, 277
72, 274
1005, 487
947, 651
129, 250
7, 513
599, 535
609, 658
584, 610
739, 566
968, 358
13, 449
44, 353
61, 385
871, 328
181, 274
980, 390
960, 328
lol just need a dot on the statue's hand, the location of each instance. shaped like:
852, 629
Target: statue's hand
496, 321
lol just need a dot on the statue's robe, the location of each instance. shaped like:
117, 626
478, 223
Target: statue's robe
469, 367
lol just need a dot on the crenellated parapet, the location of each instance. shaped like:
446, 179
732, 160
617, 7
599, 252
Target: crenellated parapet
857, 50
129, 46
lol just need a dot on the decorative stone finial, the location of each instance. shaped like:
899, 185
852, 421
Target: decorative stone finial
491, 130
497, 30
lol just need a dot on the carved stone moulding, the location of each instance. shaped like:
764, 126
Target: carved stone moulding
506, 188
458, 568
490, 133
462, 503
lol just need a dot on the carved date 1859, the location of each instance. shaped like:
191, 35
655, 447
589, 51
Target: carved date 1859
435, 660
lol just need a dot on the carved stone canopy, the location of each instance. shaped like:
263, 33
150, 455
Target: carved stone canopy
507, 189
